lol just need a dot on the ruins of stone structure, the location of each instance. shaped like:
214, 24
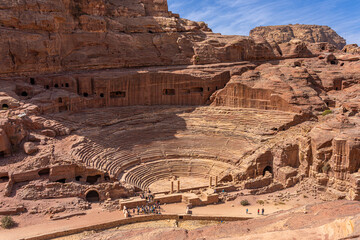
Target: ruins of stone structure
101, 99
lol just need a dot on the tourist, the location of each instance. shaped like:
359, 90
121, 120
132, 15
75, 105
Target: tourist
133, 211
262, 211
258, 211
247, 211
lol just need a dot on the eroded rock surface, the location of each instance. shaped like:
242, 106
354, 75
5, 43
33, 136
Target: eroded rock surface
101, 99
307, 33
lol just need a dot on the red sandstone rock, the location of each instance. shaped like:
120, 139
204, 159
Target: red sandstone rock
30, 148
308, 33
114, 90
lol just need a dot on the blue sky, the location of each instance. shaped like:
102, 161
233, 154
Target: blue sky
238, 17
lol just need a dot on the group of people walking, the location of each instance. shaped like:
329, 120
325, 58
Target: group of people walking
262, 211
151, 207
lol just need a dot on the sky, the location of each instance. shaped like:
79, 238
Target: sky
238, 17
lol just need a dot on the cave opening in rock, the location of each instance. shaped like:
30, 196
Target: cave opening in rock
106, 177
66, 85
92, 179
92, 196
85, 94
24, 94
2, 154
197, 90
47, 87
227, 178
169, 92
267, 169
63, 180
333, 62
118, 94
32, 81
77, 178
56, 85
102, 95
4, 179
60, 100
5, 106
44, 172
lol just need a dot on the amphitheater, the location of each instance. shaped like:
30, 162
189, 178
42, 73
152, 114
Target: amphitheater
104, 101
142, 145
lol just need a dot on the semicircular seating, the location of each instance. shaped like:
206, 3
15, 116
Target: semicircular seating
145, 174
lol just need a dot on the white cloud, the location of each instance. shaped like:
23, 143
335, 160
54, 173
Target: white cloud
240, 16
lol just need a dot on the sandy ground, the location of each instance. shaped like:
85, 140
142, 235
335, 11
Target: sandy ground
32, 225
186, 182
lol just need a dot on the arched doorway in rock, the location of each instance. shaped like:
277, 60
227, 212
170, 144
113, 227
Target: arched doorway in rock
24, 94
267, 169
92, 196
227, 178
5, 106
32, 81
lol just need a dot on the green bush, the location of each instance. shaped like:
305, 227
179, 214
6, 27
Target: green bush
326, 168
7, 222
326, 112
244, 202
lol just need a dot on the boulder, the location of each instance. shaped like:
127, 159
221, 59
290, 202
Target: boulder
49, 132
30, 148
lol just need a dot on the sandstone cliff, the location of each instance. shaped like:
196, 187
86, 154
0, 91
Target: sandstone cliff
308, 33
66, 35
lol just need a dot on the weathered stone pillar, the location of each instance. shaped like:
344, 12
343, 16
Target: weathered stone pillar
178, 185
172, 187
210, 181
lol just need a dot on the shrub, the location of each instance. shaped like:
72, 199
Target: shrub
305, 196
326, 112
244, 202
261, 202
7, 222
325, 168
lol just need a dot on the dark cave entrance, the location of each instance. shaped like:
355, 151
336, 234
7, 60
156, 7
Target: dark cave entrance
227, 178
4, 179
92, 196
92, 179
267, 169
44, 172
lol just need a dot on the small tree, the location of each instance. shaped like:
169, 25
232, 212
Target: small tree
326, 112
7, 222
244, 202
